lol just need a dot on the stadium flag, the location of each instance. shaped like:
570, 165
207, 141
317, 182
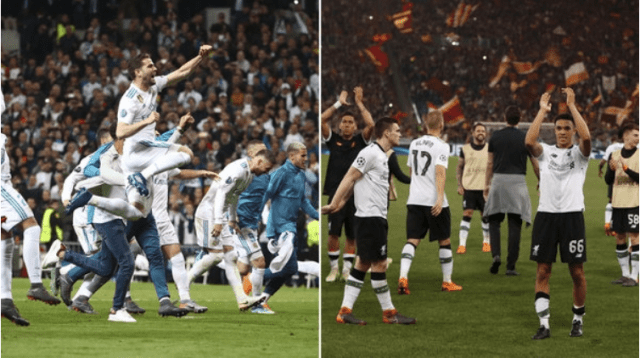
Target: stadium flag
524, 68
460, 15
575, 74
452, 111
552, 57
403, 20
608, 83
431, 106
502, 69
378, 57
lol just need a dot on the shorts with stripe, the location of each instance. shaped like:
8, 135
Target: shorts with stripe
207, 241
167, 233
247, 245
420, 221
14, 208
88, 238
625, 220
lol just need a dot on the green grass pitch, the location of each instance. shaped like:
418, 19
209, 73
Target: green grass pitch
222, 331
493, 316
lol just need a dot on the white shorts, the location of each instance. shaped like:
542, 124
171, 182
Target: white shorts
144, 153
247, 245
167, 233
208, 241
134, 197
14, 209
88, 238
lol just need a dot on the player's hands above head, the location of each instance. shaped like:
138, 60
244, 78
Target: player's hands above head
186, 121
205, 50
343, 98
571, 96
217, 229
154, 117
544, 102
358, 94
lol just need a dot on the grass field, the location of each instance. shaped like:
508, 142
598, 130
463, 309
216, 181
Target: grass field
220, 332
493, 316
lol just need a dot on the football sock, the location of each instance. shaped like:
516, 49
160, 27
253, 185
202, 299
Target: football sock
117, 207
634, 262
309, 267
256, 278
485, 232
352, 288
542, 308
623, 259
65, 267
465, 224
347, 261
381, 288
169, 161
96, 283
608, 213
7, 258
84, 288
408, 252
333, 258
446, 261
578, 313
204, 264
233, 275
179, 273
31, 253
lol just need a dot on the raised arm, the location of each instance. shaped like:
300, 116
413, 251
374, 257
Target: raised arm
368, 120
328, 114
343, 192
531, 140
185, 70
581, 125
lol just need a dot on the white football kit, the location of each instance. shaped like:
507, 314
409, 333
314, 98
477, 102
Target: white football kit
562, 175
14, 208
371, 192
424, 154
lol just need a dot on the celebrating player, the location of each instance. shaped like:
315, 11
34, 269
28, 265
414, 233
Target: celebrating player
560, 220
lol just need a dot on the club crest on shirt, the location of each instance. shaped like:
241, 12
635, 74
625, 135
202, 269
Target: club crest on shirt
442, 158
360, 161
229, 180
244, 165
139, 97
123, 113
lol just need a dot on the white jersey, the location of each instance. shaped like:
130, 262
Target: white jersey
562, 175
137, 105
161, 195
110, 160
223, 193
80, 215
612, 148
371, 192
425, 153
6, 166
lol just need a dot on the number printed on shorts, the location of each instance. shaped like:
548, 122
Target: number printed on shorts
633, 220
576, 246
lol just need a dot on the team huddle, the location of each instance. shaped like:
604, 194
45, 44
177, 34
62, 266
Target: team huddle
120, 209
491, 179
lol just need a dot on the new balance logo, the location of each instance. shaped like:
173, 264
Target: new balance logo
579, 255
535, 250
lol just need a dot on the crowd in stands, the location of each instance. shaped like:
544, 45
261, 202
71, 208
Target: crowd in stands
64, 84
601, 34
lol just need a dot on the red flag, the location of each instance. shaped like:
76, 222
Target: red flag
403, 20
502, 69
378, 57
452, 111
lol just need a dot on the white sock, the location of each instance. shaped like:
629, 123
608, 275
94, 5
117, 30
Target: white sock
169, 161
233, 275
485, 233
334, 257
623, 261
446, 261
351, 291
408, 252
31, 253
309, 267
542, 309
634, 263
381, 288
204, 264
66, 268
7, 272
608, 213
179, 273
464, 232
256, 280
347, 261
84, 288
117, 207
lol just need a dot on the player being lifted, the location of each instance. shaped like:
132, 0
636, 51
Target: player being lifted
344, 148
144, 156
472, 167
560, 219
622, 174
427, 205
216, 215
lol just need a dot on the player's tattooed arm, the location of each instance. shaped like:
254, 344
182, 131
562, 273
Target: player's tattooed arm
488, 176
459, 171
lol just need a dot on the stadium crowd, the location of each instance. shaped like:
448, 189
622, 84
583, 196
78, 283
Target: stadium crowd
72, 68
463, 60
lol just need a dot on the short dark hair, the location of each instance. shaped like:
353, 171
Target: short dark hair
478, 124
347, 113
136, 62
382, 125
269, 156
627, 126
113, 130
563, 116
512, 115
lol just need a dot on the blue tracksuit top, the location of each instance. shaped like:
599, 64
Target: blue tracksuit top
250, 202
93, 166
286, 191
